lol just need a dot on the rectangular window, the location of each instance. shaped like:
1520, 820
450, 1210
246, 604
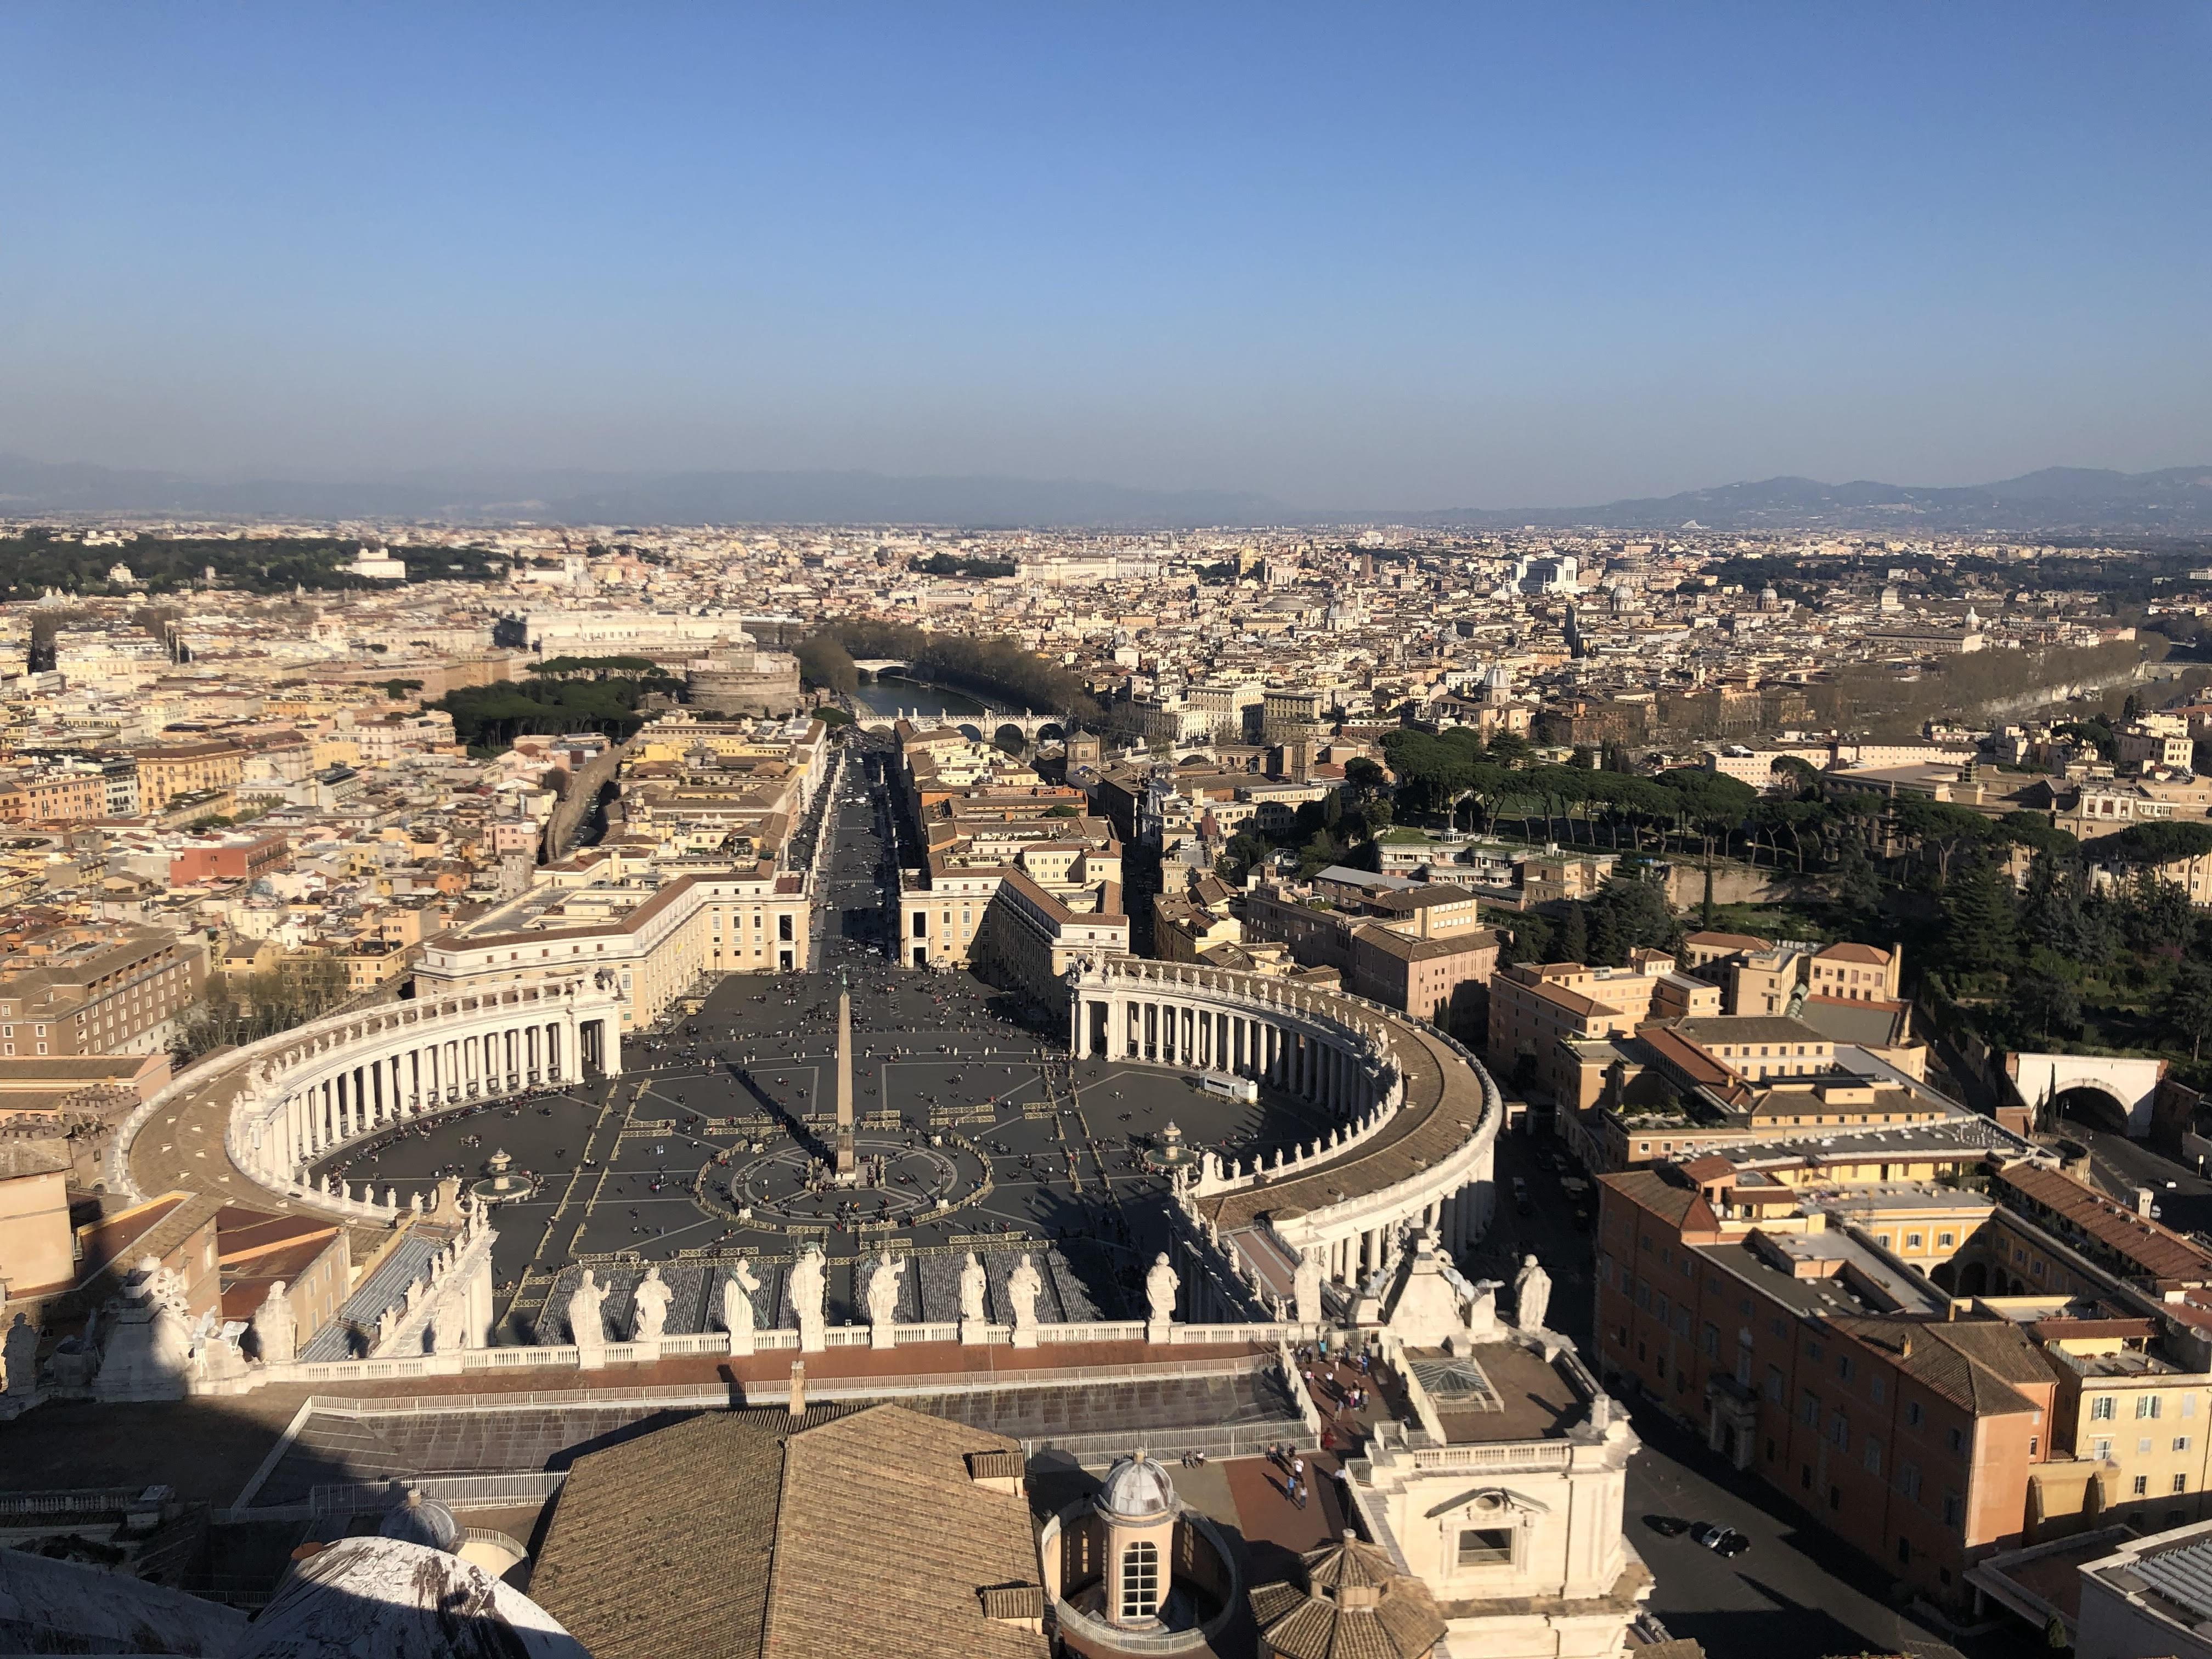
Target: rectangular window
1877, 1388
2147, 1406
2100, 1408
1912, 1414
1486, 1547
2181, 1443
2101, 1450
1955, 1439
1809, 1413
2142, 1485
1844, 1368
1908, 1480
1955, 1509
1872, 1457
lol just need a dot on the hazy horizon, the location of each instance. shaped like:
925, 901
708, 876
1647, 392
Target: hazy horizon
1413, 259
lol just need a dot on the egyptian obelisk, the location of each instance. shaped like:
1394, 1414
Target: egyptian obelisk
847, 1163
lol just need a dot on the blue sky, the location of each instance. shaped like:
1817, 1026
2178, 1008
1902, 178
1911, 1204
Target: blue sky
1352, 255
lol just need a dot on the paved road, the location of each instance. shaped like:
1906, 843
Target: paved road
2120, 1165
1798, 1590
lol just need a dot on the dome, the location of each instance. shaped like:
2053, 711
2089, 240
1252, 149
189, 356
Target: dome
1137, 1487
423, 1521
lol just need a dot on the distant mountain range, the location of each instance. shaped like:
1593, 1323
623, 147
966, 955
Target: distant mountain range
2058, 500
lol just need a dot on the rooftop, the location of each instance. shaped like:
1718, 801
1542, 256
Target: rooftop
1501, 1391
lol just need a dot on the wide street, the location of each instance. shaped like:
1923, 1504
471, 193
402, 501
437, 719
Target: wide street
979, 1130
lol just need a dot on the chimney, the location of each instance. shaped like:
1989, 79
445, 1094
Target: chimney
2142, 1201
798, 1388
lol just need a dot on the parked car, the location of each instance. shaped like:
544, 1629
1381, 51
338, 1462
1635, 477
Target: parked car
1721, 1540
1666, 1526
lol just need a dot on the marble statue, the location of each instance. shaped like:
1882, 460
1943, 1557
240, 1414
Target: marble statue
166, 1287
1023, 1288
1532, 1294
737, 1307
975, 1307
276, 1332
586, 1328
883, 1299
975, 1287
653, 1297
449, 1323
1306, 1287
148, 1354
19, 1356
809, 1280
1161, 1283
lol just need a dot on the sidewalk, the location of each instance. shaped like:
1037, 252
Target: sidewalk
1277, 1531
1386, 1400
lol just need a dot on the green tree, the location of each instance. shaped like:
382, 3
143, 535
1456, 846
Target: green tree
1572, 940
2186, 1008
1977, 920
2045, 1003
1508, 748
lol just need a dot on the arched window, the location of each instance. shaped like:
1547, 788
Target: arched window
1140, 1580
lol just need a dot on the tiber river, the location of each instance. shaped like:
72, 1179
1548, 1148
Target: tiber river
893, 692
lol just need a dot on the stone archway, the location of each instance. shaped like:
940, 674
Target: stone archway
1009, 737
2093, 1104
2114, 1089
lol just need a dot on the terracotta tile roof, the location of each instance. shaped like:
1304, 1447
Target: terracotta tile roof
1848, 952
2151, 1249
1727, 942
1974, 1363
730, 1536
1652, 1191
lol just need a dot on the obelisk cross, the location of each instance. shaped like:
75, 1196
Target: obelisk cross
846, 1160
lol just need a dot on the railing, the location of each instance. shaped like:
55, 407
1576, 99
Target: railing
1527, 1455
697, 1344
1132, 1332
939, 1333
1242, 1440
82, 1500
497, 1360
533, 1488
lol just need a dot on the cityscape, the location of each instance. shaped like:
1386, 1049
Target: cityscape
714, 964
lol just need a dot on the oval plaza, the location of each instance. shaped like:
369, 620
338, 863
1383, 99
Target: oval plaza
1068, 1205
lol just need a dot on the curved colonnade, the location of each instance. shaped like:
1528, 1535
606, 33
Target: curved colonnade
300, 1096
1416, 1115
